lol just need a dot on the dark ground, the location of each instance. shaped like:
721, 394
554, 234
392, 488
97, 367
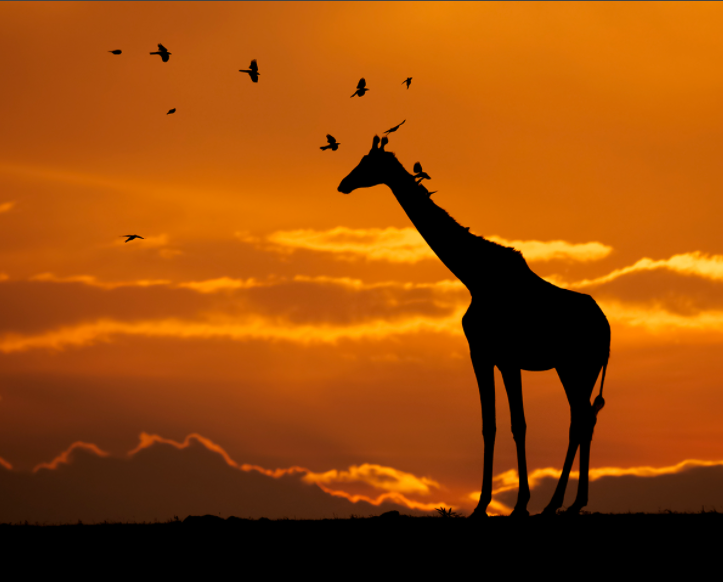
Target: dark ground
644, 544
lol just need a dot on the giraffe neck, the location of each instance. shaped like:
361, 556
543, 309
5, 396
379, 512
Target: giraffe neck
472, 259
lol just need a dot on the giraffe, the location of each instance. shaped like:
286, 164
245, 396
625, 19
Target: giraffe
516, 321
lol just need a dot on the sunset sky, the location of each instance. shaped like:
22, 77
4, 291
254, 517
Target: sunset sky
269, 325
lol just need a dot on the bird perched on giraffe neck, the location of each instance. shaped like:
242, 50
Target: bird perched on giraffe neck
419, 174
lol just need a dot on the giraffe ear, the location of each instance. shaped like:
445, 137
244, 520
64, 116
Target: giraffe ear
385, 141
375, 144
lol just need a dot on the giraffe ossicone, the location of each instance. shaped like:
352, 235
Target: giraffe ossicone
516, 321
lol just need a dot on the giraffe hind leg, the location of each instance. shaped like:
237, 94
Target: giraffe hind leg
578, 383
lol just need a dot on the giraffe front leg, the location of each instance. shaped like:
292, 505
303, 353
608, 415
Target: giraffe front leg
513, 385
485, 374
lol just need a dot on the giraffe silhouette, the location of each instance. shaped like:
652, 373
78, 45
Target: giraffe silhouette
516, 321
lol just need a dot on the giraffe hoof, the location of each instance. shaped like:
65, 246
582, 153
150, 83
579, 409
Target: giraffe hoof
478, 515
549, 512
521, 512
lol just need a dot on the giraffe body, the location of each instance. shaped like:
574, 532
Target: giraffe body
516, 321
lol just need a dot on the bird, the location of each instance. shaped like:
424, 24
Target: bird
171, 111
131, 237
408, 81
253, 71
333, 144
116, 51
361, 87
163, 51
395, 128
418, 173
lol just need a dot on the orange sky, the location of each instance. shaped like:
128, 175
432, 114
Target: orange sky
293, 326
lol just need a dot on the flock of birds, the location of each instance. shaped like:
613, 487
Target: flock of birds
332, 143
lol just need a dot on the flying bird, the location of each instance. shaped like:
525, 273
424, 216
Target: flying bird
131, 237
395, 128
408, 81
419, 173
333, 144
171, 111
116, 51
253, 71
163, 51
361, 87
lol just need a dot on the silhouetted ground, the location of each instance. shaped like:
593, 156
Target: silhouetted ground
629, 543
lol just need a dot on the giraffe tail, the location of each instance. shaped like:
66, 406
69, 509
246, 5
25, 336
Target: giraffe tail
599, 403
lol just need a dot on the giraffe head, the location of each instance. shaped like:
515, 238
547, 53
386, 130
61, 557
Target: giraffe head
375, 168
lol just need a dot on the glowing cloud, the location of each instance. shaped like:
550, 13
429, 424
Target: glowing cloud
64, 457
385, 478
397, 245
535, 250
4, 463
510, 479
146, 440
406, 245
93, 281
251, 328
395, 483
656, 318
6, 206
695, 263
223, 284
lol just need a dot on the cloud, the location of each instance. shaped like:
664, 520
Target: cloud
684, 291
251, 328
378, 476
64, 457
657, 318
695, 263
406, 245
535, 250
55, 313
397, 485
223, 284
6, 206
396, 245
161, 478
92, 281
685, 486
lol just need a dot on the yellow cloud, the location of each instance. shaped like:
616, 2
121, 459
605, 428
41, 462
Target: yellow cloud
695, 263
378, 476
93, 281
406, 245
509, 480
656, 318
223, 284
535, 250
252, 328
397, 245
6, 206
